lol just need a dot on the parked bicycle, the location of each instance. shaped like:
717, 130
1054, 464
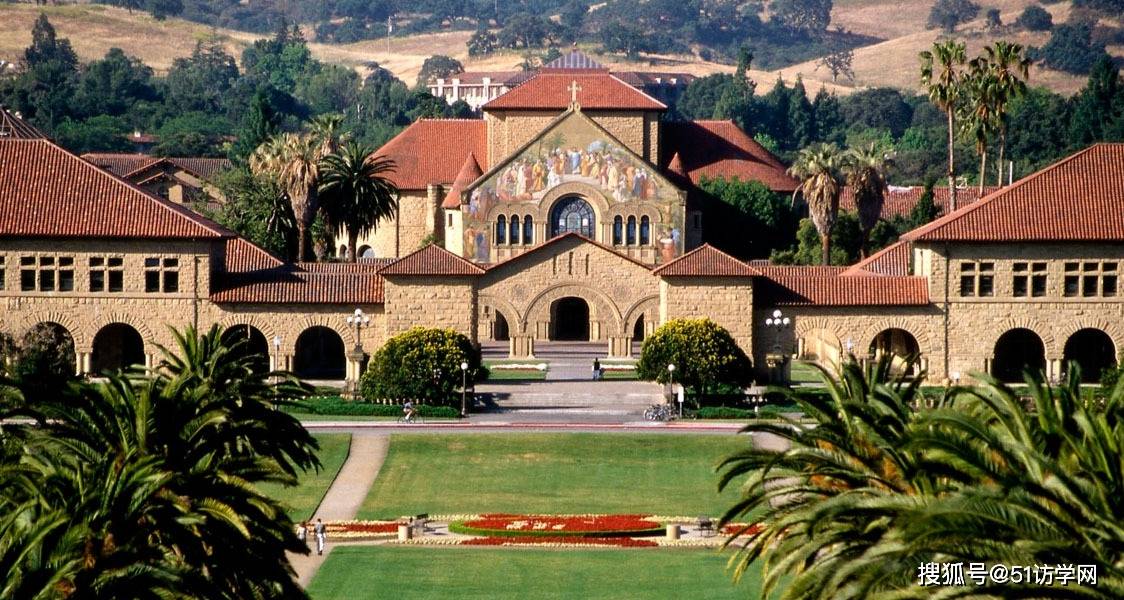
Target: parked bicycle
659, 412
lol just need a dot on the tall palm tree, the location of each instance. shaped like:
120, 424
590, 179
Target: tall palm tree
294, 159
817, 168
328, 129
942, 72
1010, 68
866, 174
356, 193
979, 120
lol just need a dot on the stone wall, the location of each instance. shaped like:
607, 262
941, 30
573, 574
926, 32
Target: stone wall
509, 130
728, 301
430, 301
418, 219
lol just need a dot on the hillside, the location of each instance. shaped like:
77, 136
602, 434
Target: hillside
93, 29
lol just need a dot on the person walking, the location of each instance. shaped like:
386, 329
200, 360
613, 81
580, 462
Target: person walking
321, 536
302, 532
596, 369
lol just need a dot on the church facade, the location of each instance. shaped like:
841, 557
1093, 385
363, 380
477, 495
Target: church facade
569, 212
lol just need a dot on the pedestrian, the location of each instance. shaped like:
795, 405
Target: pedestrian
320, 536
302, 531
596, 369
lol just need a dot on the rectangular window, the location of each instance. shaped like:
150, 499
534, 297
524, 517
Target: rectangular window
47, 273
2, 273
1091, 279
977, 279
1072, 282
1029, 279
107, 273
161, 275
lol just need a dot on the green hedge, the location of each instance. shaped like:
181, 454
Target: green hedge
461, 528
726, 412
335, 405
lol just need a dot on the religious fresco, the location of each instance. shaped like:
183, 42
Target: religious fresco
574, 150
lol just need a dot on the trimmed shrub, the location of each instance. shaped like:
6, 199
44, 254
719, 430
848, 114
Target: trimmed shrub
337, 406
705, 356
727, 412
422, 364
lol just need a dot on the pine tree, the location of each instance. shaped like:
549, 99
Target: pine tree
259, 124
926, 210
1099, 108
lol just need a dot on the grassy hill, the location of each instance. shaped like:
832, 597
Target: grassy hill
93, 29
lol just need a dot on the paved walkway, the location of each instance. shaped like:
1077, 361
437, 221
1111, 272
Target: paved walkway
344, 497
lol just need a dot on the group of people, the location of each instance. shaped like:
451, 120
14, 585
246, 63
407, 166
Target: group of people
318, 530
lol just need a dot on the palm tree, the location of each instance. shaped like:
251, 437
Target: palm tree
817, 168
356, 193
979, 120
866, 174
941, 73
1010, 69
294, 159
328, 129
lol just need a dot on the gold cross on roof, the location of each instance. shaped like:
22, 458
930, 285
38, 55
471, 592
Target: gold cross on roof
574, 89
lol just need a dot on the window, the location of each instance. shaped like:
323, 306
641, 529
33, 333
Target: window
528, 230
161, 274
1090, 279
513, 237
47, 273
2, 272
448, 219
618, 230
107, 274
1029, 279
977, 279
501, 229
645, 231
630, 232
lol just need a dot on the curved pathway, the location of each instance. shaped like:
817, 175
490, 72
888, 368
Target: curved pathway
344, 497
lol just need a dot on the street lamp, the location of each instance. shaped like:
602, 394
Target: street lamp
464, 387
671, 382
276, 353
778, 323
358, 320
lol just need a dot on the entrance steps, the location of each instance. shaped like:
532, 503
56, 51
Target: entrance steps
583, 397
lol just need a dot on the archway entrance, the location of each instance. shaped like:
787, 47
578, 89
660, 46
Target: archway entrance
319, 354
500, 330
116, 346
248, 341
569, 319
572, 215
638, 329
48, 354
1093, 350
1016, 351
899, 344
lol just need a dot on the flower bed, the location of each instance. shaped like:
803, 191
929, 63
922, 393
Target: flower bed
741, 529
585, 526
358, 530
619, 542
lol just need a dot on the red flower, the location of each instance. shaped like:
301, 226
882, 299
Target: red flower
562, 525
363, 528
622, 542
737, 528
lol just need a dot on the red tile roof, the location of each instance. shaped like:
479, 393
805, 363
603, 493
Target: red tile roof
434, 150
1080, 198
365, 265
900, 200
469, 172
706, 261
722, 149
120, 164
46, 191
129, 166
797, 270
560, 239
550, 90
13, 127
242, 256
431, 260
893, 260
299, 287
842, 291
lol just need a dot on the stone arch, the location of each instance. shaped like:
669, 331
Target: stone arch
591, 194
117, 345
1044, 333
252, 343
259, 322
1016, 350
320, 353
141, 327
1112, 328
899, 344
601, 307
83, 339
920, 335
336, 323
1093, 349
818, 341
516, 324
63, 340
648, 307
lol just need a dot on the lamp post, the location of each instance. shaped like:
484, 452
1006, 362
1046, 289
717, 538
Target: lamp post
464, 388
671, 383
778, 323
358, 320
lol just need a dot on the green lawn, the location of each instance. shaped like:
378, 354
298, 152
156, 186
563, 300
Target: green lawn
516, 375
551, 473
303, 499
370, 572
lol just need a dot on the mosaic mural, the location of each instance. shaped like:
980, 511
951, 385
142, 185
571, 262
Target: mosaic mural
573, 151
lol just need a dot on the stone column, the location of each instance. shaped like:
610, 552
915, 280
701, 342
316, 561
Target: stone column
620, 346
1054, 368
521, 346
82, 360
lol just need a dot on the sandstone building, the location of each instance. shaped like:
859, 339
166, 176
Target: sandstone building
569, 212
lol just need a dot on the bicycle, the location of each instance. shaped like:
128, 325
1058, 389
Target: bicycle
659, 412
413, 419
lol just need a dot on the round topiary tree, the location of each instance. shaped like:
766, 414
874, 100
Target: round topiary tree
422, 364
704, 355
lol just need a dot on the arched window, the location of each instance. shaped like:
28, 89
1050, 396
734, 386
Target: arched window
645, 231
501, 229
514, 237
618, 230
528, 230
630, 232
572, 215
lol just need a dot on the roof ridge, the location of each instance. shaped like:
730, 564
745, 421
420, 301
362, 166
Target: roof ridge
862, 264
749, 271
432, 247
557, 239
639, 91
